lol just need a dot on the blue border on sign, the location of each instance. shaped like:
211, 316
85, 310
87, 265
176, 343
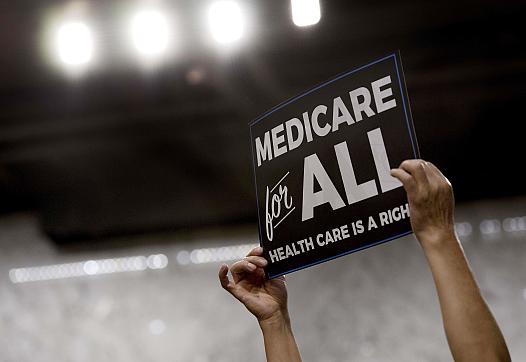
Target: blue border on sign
287, 102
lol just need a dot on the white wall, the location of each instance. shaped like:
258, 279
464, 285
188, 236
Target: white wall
376, 305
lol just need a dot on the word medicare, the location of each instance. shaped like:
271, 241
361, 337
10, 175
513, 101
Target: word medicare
291, 134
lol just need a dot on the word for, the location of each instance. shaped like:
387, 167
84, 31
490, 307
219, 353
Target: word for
274, 203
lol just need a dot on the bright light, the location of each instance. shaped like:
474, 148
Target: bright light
150, 32
214, 255
88, 268
157, 261
226, 21
305, 12
91, 267
74, 43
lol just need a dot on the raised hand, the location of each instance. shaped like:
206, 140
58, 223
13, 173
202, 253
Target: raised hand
267, 300
431, 200
264, 298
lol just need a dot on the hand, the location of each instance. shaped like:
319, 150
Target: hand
431, 201
265, 299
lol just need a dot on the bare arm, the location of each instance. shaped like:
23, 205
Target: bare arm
267, 301
280, 344
471, 330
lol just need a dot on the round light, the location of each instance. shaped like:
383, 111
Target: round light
150, 32
305, 12
226, 21
91, 267
74, 42
157, 261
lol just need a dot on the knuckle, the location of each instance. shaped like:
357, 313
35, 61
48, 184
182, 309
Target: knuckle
405, 163
445, 186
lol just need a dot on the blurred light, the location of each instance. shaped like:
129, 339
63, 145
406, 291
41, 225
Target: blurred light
489, 227
91, 267
305, 12
463, 229
183, 257
158, 261
514, 224
226, 21
74, 43
214, 255
150, 32
88, 268
195, 76
157, 327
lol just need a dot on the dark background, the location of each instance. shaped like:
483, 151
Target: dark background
121, 151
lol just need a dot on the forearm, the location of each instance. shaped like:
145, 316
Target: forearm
280, 345
471, 330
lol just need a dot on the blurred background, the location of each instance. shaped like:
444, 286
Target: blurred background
125, 173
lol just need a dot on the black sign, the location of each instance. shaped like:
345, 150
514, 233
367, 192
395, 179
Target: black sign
322, 165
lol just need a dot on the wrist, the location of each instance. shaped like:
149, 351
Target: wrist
437, 238
279, 320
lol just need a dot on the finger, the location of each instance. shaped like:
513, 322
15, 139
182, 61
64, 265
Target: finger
227, 284
242, 267
257, 251
260, 273
405, 178
223, 277
417, 169
401, 175
257, 260
281, 278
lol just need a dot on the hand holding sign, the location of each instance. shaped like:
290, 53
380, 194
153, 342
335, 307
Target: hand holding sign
473, 336
431, 200
264, 298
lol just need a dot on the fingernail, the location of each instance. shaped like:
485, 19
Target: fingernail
251, 266
259, 249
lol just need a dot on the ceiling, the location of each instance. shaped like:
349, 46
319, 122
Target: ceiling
124, 149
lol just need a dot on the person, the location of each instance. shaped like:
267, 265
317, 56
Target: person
471, 331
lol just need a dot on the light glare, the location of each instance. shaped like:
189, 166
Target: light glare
150, 32
88, 268
226, 21
305, 12
74, 42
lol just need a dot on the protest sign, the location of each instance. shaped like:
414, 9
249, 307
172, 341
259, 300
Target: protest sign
322, 165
